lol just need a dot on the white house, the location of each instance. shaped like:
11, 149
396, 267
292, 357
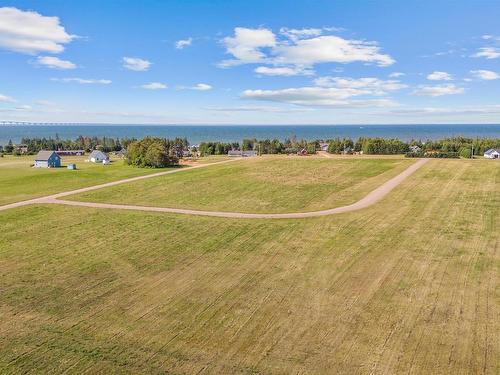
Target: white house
492, 153
97, 156
323, 146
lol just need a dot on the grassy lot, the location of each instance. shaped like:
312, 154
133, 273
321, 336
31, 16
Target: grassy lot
409, 285
267, 184
18, 181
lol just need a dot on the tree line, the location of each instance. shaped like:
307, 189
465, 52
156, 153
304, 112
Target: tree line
166, 151
87, 144
447, 147
263, 146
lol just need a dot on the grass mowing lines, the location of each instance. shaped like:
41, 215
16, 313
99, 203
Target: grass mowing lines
390, 288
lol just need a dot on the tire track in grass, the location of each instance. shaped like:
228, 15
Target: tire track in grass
430, 315
177, 296
71, 327
405, 317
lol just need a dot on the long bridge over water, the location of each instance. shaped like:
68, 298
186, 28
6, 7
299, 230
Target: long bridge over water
38, 123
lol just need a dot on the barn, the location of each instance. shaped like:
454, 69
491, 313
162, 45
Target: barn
47, 159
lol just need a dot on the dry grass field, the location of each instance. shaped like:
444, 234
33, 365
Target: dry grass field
266, 185
409, 285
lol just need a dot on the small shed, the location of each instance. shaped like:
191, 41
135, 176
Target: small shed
47, 159
71, 166
97, 156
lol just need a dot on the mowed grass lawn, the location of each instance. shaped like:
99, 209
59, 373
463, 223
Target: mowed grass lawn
265, 184
408, 285
19, 181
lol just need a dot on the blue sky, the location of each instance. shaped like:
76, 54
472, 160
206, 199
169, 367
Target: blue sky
250, 62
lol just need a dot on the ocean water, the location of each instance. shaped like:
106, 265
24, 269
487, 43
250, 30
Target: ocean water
235, 133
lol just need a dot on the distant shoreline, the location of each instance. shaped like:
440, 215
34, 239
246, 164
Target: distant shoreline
232, 133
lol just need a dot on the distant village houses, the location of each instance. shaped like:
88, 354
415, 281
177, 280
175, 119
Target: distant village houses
47, 159
21, 148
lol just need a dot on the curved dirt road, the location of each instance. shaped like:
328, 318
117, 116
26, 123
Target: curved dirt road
107, 184
371, 198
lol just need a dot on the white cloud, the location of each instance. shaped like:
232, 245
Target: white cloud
283, 71
55, 62
370, 86
6, 99
267, 109
197, 87
45, 103
396, 75
296, 34
480, 110
180, 44
487, 75
490, 37
328, 49
488, 53
30, 32
316, 96
438, 90
303, 48
136, 64
246, 43
440, 76
201, 87
154, 86
82, 81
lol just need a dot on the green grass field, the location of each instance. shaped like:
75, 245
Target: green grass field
267, 184
409, 285
18, 181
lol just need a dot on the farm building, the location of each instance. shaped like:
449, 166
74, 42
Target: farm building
244, 154
47, 159
71, 166
323, 146
70, 152
415, 149
492, 153
97, 156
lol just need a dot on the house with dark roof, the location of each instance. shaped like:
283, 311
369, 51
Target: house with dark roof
47, 159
